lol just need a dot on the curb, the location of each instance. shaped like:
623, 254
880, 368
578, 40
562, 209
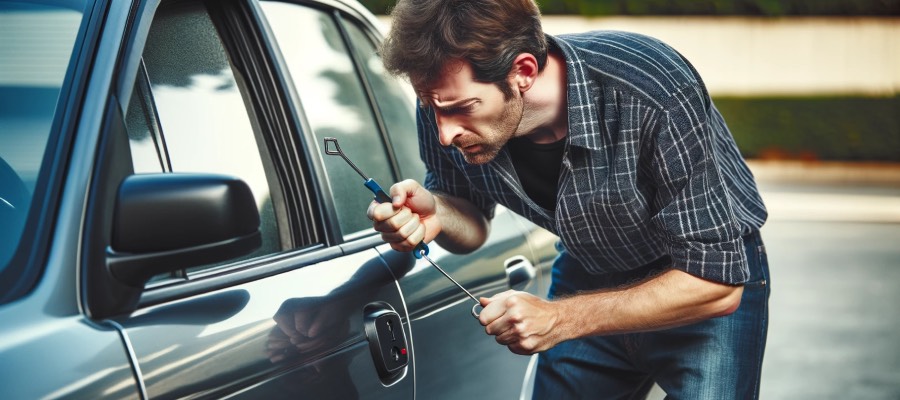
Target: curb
824, 172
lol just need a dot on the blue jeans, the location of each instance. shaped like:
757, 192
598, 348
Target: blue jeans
720, 358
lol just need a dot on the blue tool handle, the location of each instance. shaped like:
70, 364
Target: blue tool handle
382, 197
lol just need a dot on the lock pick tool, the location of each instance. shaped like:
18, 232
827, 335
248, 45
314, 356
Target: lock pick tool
332, 148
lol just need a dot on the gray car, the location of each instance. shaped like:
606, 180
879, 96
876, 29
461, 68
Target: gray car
170, 225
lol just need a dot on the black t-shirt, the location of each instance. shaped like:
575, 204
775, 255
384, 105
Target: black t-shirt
537, 165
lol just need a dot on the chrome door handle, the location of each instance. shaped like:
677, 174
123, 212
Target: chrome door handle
520, 272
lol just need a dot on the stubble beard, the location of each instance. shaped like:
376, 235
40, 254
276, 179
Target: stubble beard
500, 132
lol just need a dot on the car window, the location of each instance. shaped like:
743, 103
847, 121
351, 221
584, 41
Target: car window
395, 100
188, 112
36, 43
335, 103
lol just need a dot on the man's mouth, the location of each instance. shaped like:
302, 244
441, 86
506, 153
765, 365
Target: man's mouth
471, 148
468, 148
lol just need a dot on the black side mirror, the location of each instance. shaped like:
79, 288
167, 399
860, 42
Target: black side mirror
167, 222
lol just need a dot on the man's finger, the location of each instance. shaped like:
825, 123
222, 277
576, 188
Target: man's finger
379, 212
393, 224
493, 310
412, 233
400, 191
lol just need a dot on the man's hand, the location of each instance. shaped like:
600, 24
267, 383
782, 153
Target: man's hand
528, 324
410, 218
524, 323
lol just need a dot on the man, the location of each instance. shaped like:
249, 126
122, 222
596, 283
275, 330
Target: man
609, 140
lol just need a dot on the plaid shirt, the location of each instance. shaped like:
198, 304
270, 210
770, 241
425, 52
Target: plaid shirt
650, 168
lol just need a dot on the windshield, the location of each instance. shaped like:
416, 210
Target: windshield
36, 41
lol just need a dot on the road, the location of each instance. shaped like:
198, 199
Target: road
834, 255
835, 265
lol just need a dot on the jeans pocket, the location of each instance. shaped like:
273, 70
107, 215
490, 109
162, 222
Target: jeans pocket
756, 284
759, 268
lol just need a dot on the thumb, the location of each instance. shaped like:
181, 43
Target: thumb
411, 194
400, 191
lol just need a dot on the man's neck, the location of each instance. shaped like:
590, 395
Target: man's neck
545, 118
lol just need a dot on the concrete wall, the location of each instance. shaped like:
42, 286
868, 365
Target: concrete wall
762, 56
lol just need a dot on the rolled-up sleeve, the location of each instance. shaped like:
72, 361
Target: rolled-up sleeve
695, 214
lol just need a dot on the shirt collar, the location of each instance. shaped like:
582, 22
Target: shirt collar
582, 96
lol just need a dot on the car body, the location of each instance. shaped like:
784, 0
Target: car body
171, 227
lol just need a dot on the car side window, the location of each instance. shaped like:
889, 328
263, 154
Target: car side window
36, 43
336, 105
189, 112
395, 101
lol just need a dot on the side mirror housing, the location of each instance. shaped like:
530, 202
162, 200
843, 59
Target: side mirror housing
168, 222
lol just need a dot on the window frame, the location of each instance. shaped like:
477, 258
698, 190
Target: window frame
341, 14
380, 114
252, 58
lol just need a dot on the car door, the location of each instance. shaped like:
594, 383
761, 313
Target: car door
198, 127
332, 59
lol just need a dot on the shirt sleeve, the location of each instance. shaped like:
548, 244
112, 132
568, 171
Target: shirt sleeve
444, 171
695, 209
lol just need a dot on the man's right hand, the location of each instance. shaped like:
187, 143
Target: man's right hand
410, 218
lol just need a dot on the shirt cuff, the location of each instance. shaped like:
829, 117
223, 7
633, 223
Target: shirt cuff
720, 262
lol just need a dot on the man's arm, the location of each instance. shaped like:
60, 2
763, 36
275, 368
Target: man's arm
417, 215
528, 324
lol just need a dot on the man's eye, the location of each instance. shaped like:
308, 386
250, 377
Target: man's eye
456, 110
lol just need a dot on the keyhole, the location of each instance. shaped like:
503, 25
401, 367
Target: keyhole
390, 327
395, 354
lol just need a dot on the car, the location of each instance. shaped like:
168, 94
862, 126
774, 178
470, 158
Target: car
171, 226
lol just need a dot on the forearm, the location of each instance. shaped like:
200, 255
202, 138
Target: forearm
463, 226
673, 298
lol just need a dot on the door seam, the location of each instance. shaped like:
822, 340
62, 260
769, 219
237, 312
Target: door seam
132, 357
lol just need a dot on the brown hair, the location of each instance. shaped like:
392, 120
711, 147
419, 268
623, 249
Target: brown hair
489, 34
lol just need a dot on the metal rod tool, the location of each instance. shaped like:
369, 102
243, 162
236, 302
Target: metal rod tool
475, 313
381, 196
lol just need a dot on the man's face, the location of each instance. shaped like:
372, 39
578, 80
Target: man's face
473, 116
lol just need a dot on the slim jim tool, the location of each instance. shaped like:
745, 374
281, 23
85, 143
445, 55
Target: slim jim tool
421, 251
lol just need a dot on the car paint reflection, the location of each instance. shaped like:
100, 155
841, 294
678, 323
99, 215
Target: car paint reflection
302, 329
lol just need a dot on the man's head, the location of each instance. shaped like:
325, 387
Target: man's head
426, 35
470, 60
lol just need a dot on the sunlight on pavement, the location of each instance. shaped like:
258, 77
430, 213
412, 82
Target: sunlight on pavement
832, 207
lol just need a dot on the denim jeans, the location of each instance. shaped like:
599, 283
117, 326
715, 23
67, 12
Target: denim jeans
720, 358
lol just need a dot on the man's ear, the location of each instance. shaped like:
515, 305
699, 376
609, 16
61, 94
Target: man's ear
523, 73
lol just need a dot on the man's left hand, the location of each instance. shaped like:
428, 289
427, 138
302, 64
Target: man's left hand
524, 323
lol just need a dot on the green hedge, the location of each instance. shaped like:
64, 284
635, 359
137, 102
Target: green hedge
815, 128
702, 7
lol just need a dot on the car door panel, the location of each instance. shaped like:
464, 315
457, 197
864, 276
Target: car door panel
481, 272
454, 357
451, 346
298, 332
288, 320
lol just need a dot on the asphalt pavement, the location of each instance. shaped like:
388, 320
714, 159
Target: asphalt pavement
833, 241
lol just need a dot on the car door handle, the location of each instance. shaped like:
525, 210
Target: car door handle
387, 341
520, 272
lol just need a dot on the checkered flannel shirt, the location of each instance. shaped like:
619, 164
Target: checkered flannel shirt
650, 168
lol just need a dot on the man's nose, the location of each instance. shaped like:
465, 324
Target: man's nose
448, 130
